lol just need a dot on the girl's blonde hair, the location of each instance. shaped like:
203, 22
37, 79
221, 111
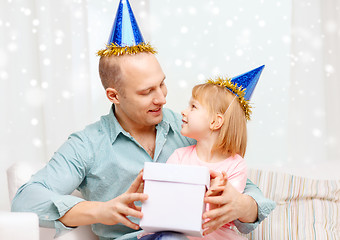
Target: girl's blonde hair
216, 99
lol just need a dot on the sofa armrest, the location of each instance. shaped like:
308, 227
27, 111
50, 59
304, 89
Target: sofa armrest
17, 175
18, 226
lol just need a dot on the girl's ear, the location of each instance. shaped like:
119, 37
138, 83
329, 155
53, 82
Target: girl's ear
217, 122
113, 95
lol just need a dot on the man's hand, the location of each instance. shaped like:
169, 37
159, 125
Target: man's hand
228, 205
116, 210
111, 212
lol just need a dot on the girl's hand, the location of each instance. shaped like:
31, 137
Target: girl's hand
218, 181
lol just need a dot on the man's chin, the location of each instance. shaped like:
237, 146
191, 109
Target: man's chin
154, 120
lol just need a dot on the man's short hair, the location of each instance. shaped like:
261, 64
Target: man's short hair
110, 72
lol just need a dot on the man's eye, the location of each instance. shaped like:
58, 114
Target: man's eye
146, 92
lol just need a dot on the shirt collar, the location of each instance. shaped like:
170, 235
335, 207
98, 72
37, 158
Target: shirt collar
115, 128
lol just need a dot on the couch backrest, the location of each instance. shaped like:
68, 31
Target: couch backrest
306, 208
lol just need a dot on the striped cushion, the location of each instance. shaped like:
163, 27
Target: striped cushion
306, 208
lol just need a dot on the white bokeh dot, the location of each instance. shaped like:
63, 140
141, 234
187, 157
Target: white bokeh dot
182, 84
3, 75
34, 121
66, 94
27, 11
192, 10
178, 62
58, 41
286, 39
200, 77
215, 10
229, 23
239, 52
187, 64
331, 26
317, 132
12, 47
35, 22
184, 29
42, 47
329, 68
78, 14
262, 23
44, 85
33, 82
216, 71
37, 142
34, 97
47, 61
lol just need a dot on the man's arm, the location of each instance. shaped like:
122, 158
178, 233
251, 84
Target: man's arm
250, 208
110, 212
48, 192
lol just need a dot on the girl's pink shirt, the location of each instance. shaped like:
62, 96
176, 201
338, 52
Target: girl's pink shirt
235, 166
236, 170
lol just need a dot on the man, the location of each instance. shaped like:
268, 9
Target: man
105, 159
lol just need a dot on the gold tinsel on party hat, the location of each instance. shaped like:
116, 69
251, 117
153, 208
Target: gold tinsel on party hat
238, 91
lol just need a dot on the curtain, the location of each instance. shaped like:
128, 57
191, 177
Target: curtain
45, 88
314, 116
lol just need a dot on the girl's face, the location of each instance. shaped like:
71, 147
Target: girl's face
196, 121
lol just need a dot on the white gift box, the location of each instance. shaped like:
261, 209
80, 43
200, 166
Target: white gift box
176, 198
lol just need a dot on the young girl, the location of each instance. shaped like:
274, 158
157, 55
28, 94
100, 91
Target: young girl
216, 118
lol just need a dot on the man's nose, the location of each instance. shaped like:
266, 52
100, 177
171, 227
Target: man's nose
160, 98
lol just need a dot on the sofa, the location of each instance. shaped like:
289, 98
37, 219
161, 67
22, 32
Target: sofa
307, 208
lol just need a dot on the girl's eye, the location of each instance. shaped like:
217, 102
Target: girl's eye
193, 106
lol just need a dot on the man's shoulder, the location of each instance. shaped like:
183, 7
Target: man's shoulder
93, 130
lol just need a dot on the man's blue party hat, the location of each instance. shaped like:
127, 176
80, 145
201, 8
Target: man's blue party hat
242, 86
125, 37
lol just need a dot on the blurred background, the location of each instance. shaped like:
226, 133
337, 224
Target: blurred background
50, 87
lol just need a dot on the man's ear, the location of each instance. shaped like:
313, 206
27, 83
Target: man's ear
113, 95
217, 122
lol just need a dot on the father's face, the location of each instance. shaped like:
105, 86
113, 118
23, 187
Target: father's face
144, 90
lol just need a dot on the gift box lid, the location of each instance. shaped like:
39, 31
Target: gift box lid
177, 173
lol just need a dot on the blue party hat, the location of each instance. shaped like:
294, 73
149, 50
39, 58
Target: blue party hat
242, 86
248, 81
125, 37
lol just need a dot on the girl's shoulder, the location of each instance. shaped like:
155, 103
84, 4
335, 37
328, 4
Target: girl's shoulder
185, 150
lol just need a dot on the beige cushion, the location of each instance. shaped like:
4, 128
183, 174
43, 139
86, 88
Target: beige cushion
306, 208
